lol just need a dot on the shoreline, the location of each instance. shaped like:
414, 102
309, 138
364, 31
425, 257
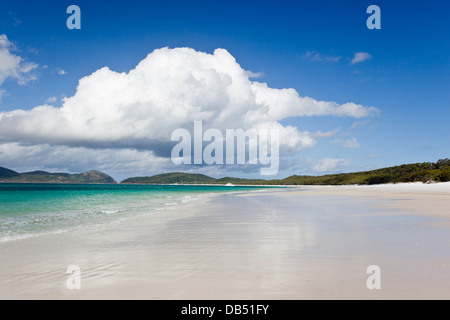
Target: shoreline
241, 185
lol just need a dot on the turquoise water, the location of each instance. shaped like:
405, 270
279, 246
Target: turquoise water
29, 210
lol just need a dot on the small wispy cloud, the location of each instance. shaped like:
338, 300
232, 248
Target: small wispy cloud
13, 66
316, 56
360, 57
61, 72
254, 75
1, 94
33, 50
51, 100
359, 124
331, 164
14, 20
328, 134
350, 144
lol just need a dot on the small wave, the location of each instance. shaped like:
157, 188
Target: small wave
16, 237
110, 211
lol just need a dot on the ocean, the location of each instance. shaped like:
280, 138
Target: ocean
31, 210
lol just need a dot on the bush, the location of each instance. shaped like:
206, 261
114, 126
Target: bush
444, 176
379, 179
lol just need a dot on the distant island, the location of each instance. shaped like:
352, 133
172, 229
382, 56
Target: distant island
91, 177
426, 172
418, 172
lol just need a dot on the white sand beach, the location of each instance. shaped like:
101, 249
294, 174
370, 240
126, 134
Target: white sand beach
296, 243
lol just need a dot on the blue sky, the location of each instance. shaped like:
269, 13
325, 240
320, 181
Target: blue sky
304, 45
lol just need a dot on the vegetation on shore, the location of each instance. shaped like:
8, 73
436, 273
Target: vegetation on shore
418, 172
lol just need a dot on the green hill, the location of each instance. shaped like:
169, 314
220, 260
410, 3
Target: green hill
6, 173
418, 172
9, 176
172, 178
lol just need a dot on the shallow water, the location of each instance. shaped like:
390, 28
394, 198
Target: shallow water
30, 210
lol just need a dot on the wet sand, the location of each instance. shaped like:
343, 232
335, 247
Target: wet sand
296, 243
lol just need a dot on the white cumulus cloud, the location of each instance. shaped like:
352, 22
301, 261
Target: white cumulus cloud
169, 89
